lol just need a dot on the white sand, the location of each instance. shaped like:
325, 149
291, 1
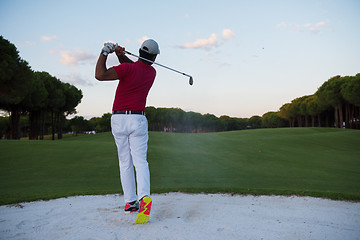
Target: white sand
184, 216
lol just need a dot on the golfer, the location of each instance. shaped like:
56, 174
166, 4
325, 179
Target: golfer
128, 122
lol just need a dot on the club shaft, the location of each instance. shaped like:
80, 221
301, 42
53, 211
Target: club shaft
157, 63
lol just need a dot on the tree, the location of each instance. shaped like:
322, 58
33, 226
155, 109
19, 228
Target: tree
193, 122
4, 127
273, 120
298, 110
73, 97
351, 93
255, 122
100, 124
313, 109
105, 122
15, 82
330, 93
303, 109
56, 100
35, 103
152, 118
232, 124
23, 91
78, 124
351, 90
176, 118
294, 112
210, 123
285, 113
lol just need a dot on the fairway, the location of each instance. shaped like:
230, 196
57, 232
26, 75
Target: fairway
320, 162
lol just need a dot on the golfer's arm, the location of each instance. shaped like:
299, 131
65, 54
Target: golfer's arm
102, 73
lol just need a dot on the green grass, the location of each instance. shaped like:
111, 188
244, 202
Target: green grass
320, 162
312, 161
31, 170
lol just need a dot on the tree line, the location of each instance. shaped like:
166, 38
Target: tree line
177, 120
336, 103
43, 98
159, 119
74, 126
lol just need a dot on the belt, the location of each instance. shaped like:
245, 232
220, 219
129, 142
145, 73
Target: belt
129, 112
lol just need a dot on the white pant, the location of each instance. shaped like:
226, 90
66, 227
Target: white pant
131, 137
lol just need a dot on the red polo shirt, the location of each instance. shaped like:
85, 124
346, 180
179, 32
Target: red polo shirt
135, 81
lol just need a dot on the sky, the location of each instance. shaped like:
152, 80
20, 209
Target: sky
247, 58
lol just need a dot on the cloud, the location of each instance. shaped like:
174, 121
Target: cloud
320, 24
225, 64
308, 27
75, 78
48, 38
299, 28
213, 40
282, 24
227, 34
70, 58
141, 40
200, 43
314, 30
27, 44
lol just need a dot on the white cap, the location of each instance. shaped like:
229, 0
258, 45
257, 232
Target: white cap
150, 46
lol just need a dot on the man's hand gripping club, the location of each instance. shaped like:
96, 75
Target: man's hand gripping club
109, 47
101, 72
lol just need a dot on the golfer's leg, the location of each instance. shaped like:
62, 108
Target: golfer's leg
138, 145
127, 175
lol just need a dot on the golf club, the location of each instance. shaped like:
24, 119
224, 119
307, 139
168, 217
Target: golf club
190, 80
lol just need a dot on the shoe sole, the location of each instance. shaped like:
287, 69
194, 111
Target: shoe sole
144, 213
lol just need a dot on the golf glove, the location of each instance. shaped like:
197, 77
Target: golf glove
109, 47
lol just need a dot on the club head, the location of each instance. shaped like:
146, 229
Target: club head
191, 81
